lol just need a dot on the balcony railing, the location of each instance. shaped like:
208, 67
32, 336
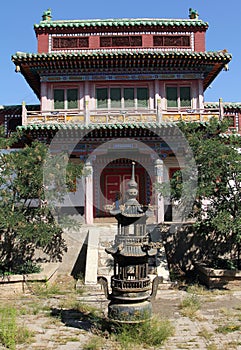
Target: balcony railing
117, 116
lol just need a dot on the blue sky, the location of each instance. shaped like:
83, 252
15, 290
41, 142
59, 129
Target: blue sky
17, 34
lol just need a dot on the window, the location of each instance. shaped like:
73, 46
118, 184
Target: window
120, 41
102, 98
115, 97
65, 98
129, 99
142, 97
58, 99
171, 40
70, 43
72, 98
185, 98
122, 97
178, 96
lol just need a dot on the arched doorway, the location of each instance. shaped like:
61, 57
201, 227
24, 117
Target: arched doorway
113, 182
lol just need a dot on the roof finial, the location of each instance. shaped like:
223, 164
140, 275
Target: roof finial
47, 16
193, 14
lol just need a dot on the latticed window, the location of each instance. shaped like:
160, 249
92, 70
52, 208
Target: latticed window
171, 40
70, 42
120, 41
178, 96
122, 97
65, 98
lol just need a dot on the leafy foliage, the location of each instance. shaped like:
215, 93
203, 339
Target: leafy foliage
27, 222
217, 206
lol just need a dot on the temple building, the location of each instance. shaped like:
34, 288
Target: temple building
114, 89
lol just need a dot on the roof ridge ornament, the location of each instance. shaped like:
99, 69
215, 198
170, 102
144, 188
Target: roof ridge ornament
47, 15
193, 14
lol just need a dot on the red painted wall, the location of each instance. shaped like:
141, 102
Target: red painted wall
147, 41
43, 43
199, 41
94, 42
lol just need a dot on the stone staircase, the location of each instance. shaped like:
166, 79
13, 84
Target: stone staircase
86, 257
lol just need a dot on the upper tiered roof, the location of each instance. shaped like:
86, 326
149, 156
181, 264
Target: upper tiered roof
208, 63
92, 59
122, 22
193, 21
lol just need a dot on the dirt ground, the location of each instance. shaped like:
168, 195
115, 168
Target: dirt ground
202, 319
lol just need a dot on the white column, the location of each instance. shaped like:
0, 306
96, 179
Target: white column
158, 102
44, 97
151, 95
87, 102
89, 217
159, 198
24, 114
200, 94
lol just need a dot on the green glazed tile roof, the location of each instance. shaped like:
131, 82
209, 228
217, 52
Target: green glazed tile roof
208, 63
155, 53
19, 107
122, 22
92, 126
226, 105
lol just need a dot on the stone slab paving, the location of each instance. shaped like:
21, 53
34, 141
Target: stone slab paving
199, 332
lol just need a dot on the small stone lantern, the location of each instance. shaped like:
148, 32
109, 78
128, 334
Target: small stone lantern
130, 284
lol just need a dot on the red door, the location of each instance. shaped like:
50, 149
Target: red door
112, 187
114, 182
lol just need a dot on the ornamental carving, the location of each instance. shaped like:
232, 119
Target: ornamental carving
70, 42
171, 40
121, 41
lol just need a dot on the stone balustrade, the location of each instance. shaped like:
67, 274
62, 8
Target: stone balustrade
116, 116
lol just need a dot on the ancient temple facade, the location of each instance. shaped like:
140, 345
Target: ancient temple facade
114, 89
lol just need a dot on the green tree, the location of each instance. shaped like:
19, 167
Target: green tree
27, 221
217, 205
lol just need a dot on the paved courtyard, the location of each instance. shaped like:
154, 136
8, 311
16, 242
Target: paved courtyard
201, 319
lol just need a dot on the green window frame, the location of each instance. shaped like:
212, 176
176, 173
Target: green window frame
171, 96
142, 97
72, 99
178, 96
58, 99
122, 97
102, 97
66, 98
129, 97
185, 96
115, 97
